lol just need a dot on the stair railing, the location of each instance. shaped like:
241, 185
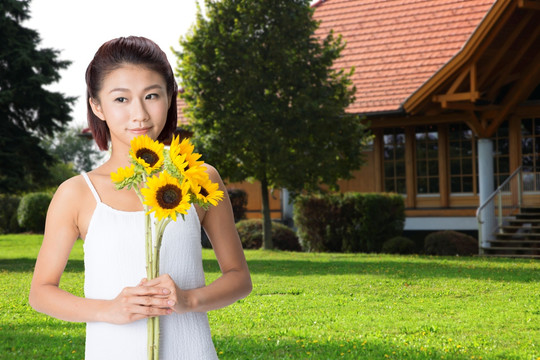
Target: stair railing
486, 214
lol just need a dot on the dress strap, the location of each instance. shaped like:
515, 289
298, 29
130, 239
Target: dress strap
92, 188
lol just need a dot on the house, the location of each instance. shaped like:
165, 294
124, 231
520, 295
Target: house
451, 90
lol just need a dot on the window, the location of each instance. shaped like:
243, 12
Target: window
530, 151
394, 160
501, 158
427, 160
462, 157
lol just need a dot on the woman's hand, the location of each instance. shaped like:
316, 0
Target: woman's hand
139, 302
178, 300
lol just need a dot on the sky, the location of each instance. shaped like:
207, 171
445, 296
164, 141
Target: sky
78, 28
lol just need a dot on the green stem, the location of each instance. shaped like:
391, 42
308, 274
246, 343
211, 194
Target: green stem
153, 335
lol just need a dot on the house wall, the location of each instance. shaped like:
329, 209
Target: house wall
444, 209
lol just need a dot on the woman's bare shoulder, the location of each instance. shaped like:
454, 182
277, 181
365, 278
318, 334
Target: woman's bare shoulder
71, 192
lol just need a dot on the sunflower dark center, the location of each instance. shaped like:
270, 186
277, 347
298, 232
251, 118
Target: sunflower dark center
169, 196
150, 157
204, 192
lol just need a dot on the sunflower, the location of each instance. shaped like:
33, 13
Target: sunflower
194, 171
147, 153
177, 158
185, 147
123, 174
208, 192
165, 196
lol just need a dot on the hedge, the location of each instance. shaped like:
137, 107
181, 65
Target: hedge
350, 222
32, 211
8, 214
251, 234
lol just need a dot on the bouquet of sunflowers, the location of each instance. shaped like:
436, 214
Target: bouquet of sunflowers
167, 181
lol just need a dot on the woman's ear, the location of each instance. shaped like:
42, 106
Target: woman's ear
96, 108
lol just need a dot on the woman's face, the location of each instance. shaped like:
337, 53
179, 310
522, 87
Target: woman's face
133, 101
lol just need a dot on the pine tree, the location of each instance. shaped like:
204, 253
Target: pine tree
27, 110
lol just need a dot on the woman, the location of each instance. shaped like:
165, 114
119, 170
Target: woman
131, 91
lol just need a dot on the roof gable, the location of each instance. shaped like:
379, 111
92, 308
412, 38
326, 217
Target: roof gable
396, 46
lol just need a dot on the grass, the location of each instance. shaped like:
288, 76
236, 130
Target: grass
320, 306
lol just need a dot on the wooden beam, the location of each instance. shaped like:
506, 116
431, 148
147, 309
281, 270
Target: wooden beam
417, 120
517, 93
509, 68
378, 168
475, 47
471, 95
529, 4
444, 171
514, 144
472, 79
410, 167
475, 125
503, 50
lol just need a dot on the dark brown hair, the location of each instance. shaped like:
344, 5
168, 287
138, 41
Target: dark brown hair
114, 54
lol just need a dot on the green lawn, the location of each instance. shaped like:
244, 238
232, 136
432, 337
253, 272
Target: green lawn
320, 306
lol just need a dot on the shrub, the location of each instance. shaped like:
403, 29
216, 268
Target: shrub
450, 243
351, 222
32, 211
399, 245
8, 214
251, 235
239, 202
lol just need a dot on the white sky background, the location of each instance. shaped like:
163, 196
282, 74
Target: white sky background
77, 29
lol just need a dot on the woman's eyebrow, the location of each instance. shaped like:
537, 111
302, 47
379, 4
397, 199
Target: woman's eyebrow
151, 87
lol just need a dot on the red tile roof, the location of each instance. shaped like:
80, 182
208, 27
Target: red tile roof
397, 45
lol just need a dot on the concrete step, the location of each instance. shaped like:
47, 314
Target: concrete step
512, 248
523, 256
513, 241
516, 235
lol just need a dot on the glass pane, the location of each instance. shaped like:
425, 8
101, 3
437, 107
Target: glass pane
455, 167
455, 149
422, 186
467, 184
421, 168
389, 185
526, 127
388, 170
401, 186
455, 184
467, 166
433, 168
400, 168
434, 185
400, 152
504, 165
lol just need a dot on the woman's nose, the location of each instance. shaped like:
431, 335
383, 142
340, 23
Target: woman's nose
139, 112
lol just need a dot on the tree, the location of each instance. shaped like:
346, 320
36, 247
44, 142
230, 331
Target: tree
27, 110
72, 148
264, 100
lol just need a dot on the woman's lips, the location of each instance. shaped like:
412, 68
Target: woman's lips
140, 131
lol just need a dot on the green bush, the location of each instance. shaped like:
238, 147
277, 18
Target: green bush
239, 200
351, 222
251, 235
399, 245
32, 211
8, 214
450, 243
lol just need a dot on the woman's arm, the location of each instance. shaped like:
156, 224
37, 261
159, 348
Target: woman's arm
235, 281
61, 232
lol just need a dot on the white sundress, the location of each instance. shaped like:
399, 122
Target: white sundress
114, 258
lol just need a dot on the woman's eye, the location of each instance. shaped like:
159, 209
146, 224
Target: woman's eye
120, 99
151, 96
